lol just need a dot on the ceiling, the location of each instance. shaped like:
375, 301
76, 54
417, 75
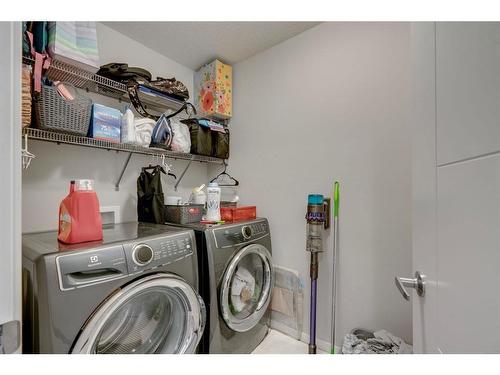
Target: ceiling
193, 44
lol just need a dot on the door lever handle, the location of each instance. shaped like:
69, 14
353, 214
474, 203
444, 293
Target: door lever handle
417, 283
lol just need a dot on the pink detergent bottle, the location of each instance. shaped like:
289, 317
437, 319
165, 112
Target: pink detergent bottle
79, 216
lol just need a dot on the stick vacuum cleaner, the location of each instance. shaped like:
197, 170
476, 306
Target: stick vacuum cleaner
318, 219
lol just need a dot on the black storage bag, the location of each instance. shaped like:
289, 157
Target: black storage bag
150, 199
201, 138
221, 144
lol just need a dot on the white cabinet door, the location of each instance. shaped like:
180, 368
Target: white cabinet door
467, 90
456, 206
10, 188
468, 303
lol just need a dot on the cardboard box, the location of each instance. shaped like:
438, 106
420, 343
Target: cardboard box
105, 123
213, 90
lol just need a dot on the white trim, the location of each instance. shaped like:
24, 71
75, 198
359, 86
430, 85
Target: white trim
304, 337
320, 344
10, 165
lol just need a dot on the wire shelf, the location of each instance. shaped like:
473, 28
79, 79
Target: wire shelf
61, 71
49, 136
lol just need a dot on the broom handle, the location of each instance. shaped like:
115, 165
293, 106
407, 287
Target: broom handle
336, 197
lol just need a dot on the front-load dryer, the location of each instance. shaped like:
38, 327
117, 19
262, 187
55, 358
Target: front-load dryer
236, 282
133, 292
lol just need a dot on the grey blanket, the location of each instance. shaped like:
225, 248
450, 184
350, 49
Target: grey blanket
383, 342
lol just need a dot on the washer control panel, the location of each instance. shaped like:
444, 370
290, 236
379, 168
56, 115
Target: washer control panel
156, 252
232, 235
84, 268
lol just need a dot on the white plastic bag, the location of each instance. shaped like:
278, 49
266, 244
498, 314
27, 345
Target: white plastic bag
242, 288
128, 127
181, 141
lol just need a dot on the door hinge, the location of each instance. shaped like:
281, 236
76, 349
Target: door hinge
10, 337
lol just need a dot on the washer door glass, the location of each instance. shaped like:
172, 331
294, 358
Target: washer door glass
246, 288
157, 314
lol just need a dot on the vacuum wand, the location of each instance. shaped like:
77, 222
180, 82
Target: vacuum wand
312, 322
317, 217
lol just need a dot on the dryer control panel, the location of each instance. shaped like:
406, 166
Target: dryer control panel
238, 234
151, 253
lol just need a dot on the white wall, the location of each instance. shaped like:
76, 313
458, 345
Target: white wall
46, 182
332, 104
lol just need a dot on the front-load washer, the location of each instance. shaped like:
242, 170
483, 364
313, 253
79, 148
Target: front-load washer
133, 292
236, 281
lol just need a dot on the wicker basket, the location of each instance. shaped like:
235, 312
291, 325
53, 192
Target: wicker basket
55, 113
186, 214
26, 96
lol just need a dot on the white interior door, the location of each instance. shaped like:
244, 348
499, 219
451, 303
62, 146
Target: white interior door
10, 188
424, 185
456, 187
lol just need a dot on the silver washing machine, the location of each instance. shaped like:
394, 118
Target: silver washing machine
133, 292
236, 281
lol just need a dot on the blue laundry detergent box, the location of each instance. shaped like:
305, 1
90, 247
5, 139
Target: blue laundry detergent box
106, 123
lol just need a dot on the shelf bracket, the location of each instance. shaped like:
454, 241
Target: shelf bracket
117, 185
183, 173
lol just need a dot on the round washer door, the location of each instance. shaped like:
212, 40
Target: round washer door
246, 287
159, 313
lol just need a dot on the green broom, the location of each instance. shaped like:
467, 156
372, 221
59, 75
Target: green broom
336, 196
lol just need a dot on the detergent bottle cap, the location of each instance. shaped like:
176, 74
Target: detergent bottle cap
83, 185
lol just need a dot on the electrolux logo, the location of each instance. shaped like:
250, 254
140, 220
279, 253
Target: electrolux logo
94, 259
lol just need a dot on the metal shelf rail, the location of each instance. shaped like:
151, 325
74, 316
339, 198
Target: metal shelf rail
63, 138
60, 71
78, 77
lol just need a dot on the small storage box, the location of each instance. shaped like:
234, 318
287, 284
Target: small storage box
186, 214
232, 214
213, 90
106, 123
55, 113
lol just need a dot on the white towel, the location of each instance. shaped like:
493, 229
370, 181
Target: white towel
143, 130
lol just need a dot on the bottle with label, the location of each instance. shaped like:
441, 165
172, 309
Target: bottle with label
213, 202
79, 216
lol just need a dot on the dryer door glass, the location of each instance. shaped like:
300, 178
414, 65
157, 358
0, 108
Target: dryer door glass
156, 314
246, 288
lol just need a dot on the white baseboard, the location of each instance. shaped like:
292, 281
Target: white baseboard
320, 344
278, 326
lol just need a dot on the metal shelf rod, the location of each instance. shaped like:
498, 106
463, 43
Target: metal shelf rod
117, 185
62, 138
182, 174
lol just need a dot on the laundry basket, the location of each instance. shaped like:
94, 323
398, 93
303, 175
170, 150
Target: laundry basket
55, 113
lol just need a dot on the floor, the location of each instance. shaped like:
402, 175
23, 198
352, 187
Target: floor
279, 343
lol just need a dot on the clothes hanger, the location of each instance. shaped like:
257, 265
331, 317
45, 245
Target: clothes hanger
224, 173
167, 167
163, 167
26, 156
